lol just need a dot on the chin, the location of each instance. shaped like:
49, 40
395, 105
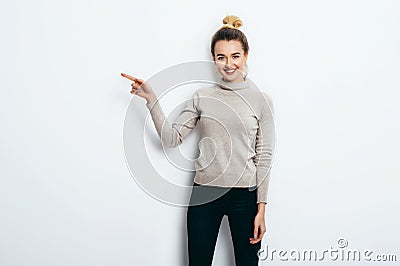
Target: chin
229, 78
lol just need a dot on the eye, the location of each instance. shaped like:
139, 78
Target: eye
220, 58
236, 56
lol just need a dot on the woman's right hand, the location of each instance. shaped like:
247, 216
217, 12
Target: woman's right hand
141, 88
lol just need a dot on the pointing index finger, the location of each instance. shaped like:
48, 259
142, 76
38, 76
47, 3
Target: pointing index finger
129, 77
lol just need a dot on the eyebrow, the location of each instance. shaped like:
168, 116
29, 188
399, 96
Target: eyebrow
232, 54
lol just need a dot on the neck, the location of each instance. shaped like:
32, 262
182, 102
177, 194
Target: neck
232, 81
233, 85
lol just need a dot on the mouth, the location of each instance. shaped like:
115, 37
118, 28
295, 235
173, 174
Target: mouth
230, 71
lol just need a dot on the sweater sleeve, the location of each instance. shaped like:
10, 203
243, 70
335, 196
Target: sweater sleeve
173, 135
264, 148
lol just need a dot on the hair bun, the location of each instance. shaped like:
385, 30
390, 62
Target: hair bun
233, 22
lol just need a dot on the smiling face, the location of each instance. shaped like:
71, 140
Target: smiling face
230, 59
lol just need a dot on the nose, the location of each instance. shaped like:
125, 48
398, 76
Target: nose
228, 62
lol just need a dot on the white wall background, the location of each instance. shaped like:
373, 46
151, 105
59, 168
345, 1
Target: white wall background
66, 195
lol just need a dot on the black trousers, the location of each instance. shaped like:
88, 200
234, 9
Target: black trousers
208, 205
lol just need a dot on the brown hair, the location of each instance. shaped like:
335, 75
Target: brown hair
229, 31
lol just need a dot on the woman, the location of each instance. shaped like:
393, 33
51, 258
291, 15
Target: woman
236, 149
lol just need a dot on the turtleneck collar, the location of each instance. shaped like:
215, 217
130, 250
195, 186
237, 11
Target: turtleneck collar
227, 85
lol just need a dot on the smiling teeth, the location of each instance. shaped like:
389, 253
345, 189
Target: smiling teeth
230, 71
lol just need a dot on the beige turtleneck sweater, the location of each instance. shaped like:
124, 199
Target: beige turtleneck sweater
237, 134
